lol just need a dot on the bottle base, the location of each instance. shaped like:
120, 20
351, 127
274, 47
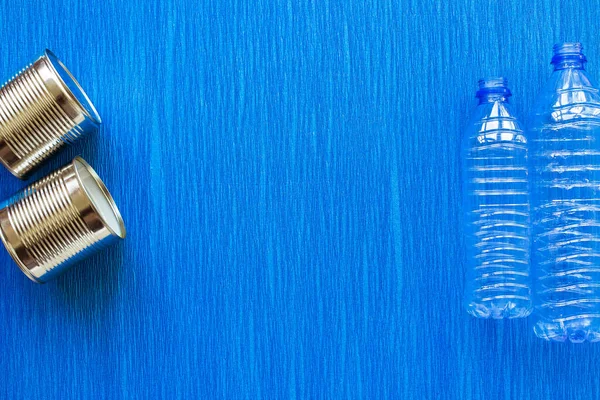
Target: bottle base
506, 309
577, 331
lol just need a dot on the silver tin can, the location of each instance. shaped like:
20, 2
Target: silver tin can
42, 109
59, 220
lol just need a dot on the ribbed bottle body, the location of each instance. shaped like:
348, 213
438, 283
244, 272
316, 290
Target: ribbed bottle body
496, 213
564, 137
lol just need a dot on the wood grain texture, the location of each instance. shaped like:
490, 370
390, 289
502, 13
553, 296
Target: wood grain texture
288, 173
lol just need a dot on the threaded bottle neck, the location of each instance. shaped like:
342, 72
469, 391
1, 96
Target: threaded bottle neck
493, 89
568, 55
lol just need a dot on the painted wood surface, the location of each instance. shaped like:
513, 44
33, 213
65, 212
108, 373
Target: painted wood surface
288, 173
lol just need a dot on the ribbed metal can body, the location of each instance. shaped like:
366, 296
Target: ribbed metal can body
59, 220
42, 109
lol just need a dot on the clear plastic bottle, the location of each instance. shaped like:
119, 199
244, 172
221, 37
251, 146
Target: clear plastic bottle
496, 207
564, 133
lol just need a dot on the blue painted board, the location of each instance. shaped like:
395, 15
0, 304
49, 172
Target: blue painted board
288, 173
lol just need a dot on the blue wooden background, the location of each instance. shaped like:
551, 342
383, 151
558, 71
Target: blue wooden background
288, 173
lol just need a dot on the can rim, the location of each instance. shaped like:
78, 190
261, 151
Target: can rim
90, 111
122, 232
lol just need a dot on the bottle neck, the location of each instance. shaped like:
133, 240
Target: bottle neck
568, 56
493, 98
568, 64
493, 90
